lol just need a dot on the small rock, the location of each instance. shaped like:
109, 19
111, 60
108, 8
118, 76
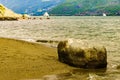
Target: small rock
118, 66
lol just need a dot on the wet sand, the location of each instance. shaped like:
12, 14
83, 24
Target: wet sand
24, 60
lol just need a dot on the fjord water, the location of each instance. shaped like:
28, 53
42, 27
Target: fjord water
102, 30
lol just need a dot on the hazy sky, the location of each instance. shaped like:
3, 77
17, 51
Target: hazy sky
45, 0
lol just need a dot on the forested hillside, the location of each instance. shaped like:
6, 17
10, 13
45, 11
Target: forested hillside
87, 7
64, 7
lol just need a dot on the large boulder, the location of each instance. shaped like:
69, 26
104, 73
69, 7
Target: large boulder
81, 54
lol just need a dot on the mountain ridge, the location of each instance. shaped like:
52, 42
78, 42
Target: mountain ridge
65, 7
87, 8
31, 7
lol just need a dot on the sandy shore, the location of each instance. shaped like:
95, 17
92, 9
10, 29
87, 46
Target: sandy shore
23, 60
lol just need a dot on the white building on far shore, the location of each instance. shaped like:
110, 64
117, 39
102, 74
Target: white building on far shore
104, 14
46, 14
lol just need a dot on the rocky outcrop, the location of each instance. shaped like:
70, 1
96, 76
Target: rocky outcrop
82, 54
5, 12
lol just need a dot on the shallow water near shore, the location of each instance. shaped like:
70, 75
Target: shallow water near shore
102, 30
83, 74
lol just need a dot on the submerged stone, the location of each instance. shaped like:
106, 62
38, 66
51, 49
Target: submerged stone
81, 54
118, 66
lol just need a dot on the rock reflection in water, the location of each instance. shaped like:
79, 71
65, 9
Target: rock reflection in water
84, 74
89, 74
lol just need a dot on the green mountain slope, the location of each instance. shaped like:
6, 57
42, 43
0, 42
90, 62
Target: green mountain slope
31, 7
87, 7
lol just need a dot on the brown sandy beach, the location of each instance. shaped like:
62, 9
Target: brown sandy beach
23, 60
